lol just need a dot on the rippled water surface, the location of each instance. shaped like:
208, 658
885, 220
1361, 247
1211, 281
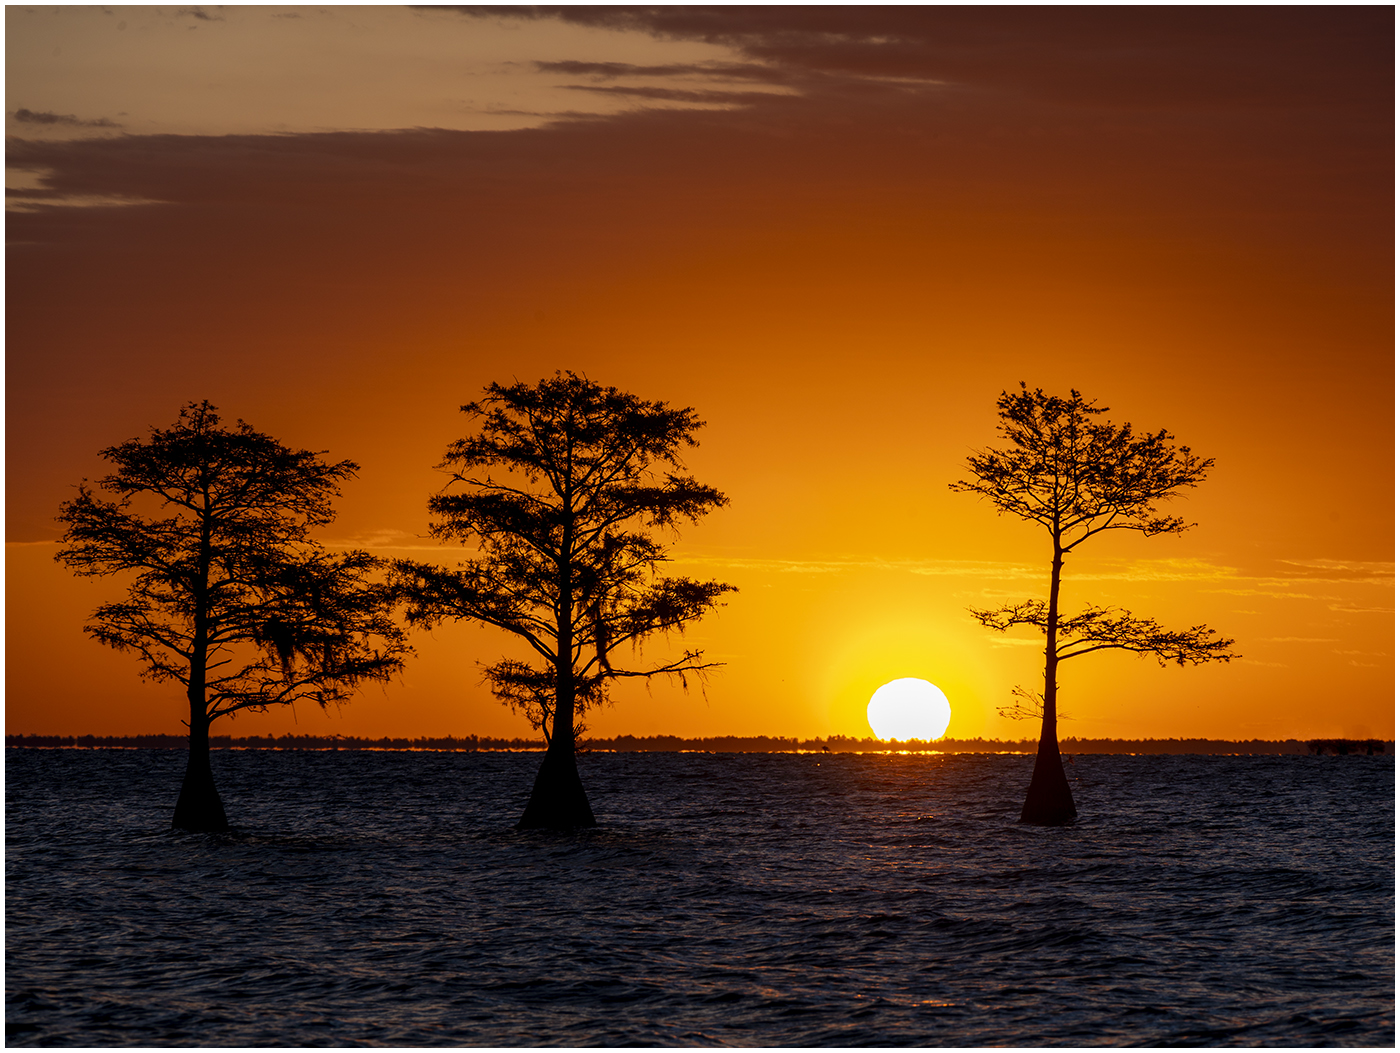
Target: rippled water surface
763, 899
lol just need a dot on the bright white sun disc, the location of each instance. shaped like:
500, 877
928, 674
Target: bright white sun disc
909, 708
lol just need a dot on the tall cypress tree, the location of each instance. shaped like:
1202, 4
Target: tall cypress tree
230, 595
562, 489
1078, 477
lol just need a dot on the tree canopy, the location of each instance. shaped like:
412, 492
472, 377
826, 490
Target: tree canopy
229, 595
1078, 477
562, 489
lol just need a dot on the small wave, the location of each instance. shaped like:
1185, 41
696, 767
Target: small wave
724, 900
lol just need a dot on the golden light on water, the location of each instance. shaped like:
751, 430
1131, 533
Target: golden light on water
909, 708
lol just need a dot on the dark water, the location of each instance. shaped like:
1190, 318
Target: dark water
793, 900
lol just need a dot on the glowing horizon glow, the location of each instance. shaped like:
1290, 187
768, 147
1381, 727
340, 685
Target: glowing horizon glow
909, 708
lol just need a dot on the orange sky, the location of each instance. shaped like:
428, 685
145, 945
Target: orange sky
837, 233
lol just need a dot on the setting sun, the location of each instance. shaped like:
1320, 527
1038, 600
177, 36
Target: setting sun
909, 708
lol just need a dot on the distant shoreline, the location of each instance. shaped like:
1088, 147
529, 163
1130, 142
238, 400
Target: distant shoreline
724, 744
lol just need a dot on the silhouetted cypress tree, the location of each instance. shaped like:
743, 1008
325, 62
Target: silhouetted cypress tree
1078, 478
231, 597
562, 489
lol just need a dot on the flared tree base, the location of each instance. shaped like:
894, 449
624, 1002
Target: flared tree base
199, 808
557, 802
1048, 801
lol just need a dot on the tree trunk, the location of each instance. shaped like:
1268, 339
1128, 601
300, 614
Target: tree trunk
558, 801
1048, 801
199, 808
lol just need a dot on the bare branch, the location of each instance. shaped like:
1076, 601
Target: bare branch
1026, 705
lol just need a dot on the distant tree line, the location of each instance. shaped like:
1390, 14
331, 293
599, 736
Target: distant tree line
726, 744
1345, 747
272, 742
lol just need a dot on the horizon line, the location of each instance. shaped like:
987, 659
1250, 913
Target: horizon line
716, 744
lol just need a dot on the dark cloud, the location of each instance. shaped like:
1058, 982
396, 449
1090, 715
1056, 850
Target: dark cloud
856, 121
614, 70
1111, 57
726, 98
66, 119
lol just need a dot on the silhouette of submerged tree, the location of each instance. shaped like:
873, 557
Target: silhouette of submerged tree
231, 597
568, 560
1077, 478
